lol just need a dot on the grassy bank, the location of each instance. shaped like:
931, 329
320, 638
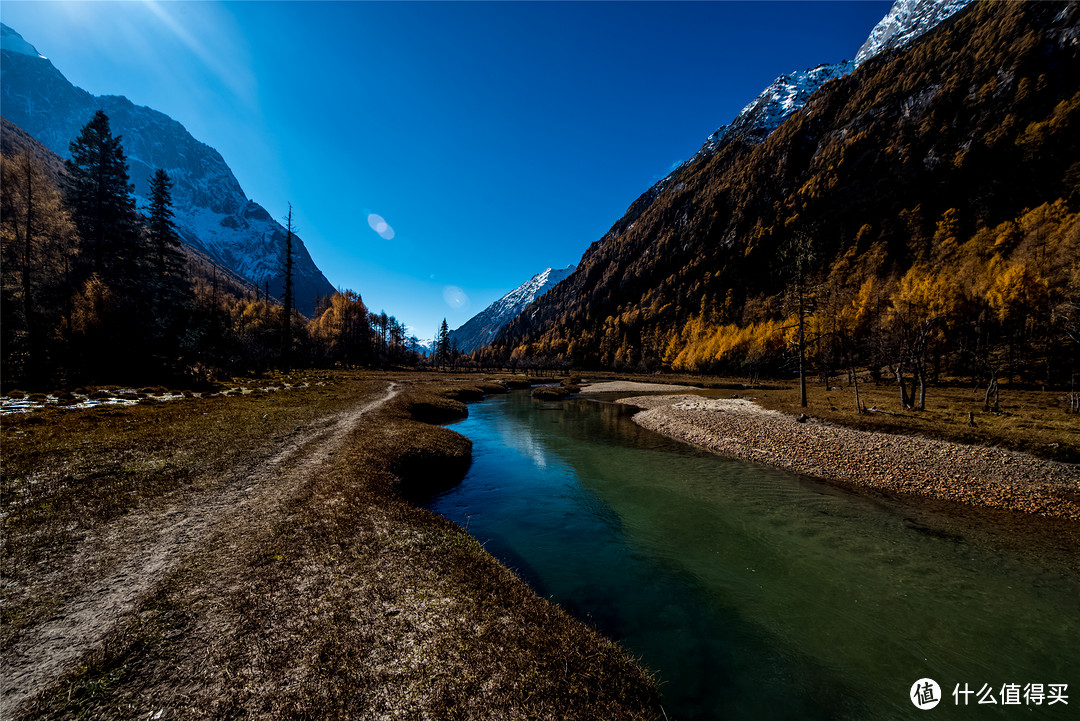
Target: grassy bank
70, 474
342, 600
1030, 421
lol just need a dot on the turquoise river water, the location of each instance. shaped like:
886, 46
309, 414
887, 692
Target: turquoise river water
753, 593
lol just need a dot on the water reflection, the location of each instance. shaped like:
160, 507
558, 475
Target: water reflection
753, 592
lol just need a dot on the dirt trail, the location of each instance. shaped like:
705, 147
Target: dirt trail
165, 537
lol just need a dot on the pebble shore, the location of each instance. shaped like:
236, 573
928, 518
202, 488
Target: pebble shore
972, 475
632, 387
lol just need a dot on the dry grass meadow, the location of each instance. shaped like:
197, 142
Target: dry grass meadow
258, 553
282, 571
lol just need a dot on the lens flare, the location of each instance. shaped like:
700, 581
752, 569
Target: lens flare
455, 297
380, 226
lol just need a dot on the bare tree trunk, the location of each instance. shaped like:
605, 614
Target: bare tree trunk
855, 380
992, 387
802, 350
32, 335
286, 311
905, 400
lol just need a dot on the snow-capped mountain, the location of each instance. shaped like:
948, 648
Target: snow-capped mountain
423, 347
479, 330
776, 103
907, 20
753, 124
212, 212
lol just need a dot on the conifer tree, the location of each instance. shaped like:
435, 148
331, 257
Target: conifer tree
454, 353
801, 257
287, 296
172, 293
164, 239
442, 344
118, 261
38, 242
98, 193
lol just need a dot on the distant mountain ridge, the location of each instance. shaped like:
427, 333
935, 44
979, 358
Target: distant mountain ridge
775, 104
14, 141
969, 119
906, 21
482, 327
212, 212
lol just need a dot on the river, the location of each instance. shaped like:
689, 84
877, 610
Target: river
753, 593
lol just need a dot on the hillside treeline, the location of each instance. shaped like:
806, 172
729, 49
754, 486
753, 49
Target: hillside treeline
919, 215
94, 289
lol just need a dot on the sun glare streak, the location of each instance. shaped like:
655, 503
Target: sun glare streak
207, 57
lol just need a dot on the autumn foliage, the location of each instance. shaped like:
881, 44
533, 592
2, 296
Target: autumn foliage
938, 189
95, 291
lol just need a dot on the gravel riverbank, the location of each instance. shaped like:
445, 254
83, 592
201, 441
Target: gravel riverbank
632, 387
973, 475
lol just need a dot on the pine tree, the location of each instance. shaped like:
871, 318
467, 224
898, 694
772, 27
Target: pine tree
454, 353
98, 193
164, 239
38, 242
172, 293
287, 296
442, 344
799, 252
118, 260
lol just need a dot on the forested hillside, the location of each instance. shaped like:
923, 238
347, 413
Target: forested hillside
212, 213
922, 212
93, 290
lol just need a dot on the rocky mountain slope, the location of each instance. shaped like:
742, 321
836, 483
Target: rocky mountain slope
213, 214
202, 268
975, 117
906, 21
482, 327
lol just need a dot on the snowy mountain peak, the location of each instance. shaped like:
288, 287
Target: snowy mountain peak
907, 20
775, 104
212, 212
13, 42
550, 276
482, 327
790, 92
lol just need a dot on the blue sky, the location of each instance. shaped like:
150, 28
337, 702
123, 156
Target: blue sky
495, 139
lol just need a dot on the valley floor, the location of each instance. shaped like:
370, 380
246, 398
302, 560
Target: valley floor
969, 474
254, 555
